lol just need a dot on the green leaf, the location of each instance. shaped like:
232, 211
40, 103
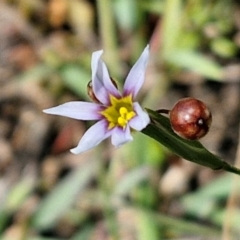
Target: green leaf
154, 6
204, 202
19, 193
144, 151
61, 198
160, 129
218, 217
224, 47
126, 13
131, 180
207, 202
219, 188
76, 79
147, 227
171, 26
196, 62
37, 73
4, 220
84, 233
170, 225
43, 238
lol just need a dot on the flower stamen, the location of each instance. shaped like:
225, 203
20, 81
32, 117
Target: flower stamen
120, 112
125, 116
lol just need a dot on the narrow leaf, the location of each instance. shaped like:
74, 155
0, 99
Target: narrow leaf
131, 180
84, 233
147, 227
171, 26
76, 79
204, 201
196, 62
160, 129
61, 198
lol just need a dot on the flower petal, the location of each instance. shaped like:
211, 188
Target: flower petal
77, 110
92, 137
102, 84
121, 136
141, 120
135, 78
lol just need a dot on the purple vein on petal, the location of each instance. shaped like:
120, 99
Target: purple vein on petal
136, 76
77, 110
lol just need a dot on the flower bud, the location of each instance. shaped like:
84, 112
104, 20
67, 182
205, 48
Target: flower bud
190, 118
91, 93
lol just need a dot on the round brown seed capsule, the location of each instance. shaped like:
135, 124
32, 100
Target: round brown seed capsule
190, 118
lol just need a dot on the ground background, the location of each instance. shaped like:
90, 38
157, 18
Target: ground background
141, 190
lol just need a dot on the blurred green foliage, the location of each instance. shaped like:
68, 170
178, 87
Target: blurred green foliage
188, 35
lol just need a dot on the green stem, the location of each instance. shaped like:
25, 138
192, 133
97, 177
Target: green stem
229, 168
108, 35
109, 212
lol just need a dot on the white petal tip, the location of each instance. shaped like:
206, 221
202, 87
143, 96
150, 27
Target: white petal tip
99, 52
48, 111
74, 151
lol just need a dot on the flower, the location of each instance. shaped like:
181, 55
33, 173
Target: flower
117, 113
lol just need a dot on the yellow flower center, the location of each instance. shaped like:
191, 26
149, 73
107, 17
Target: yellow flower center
119, 112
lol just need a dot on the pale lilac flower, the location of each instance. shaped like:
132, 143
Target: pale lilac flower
117, 113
